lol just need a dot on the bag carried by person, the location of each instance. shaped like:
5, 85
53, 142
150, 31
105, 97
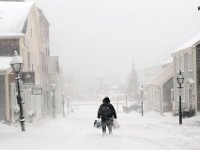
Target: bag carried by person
97, 124
115, 124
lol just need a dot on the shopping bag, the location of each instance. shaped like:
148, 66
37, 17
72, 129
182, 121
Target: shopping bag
97, 124
115, 124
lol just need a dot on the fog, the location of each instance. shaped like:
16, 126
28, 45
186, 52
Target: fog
102, 38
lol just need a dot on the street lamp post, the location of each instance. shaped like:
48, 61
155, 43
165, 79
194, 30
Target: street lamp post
53, 102
142, 103
67, 106
180, 80
16, 64
126, 101
63, 103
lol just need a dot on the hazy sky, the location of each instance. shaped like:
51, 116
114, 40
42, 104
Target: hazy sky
102, 37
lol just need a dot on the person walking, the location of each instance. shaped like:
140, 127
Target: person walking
106, 113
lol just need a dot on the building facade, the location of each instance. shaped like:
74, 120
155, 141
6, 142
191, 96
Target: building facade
187, 59
24, 28
55, 77
159, 90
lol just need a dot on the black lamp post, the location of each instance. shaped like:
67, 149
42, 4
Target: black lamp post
16, 64
180, 80
53, 85
142, 103
68, 99
63, 104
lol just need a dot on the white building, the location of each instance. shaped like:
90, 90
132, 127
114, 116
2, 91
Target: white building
24, 28
159, 90
187, 59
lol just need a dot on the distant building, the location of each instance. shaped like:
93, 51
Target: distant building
55, 76
159, 90
146, 75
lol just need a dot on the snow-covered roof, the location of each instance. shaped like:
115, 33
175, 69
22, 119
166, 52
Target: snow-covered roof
190, 43
170, 60
163, 76
13, 16
5, 63
11, 35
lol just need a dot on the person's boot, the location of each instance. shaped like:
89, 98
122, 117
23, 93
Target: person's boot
110, 129
110, 132
103, 133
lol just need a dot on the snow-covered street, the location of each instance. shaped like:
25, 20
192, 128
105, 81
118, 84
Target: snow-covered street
68, 65
76, 132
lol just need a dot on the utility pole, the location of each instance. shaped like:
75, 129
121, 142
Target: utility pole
141, 90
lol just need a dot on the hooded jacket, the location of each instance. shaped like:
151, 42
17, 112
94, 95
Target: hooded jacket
106, 110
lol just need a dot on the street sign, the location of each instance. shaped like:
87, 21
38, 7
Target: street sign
36, 91
28, 78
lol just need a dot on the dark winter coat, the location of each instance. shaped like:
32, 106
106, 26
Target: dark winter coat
106, 111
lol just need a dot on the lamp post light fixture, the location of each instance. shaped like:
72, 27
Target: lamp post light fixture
141, 96
16, 64
53, 85
180, 80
